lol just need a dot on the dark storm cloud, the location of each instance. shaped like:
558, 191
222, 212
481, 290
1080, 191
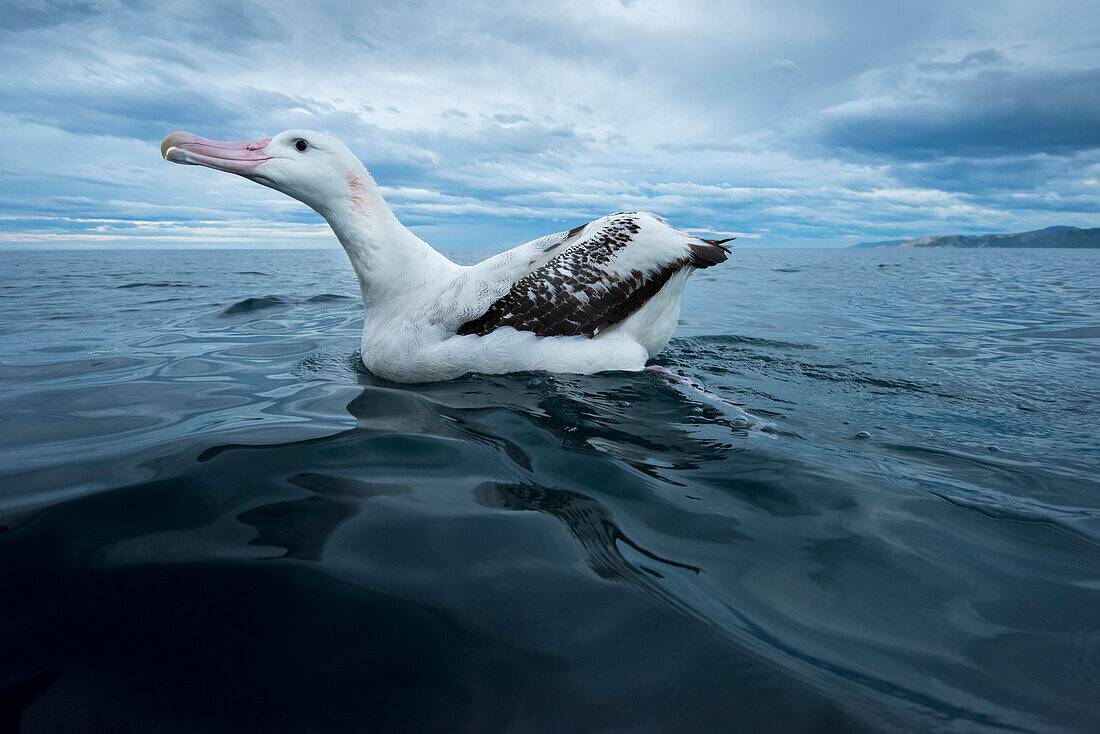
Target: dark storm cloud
145, 111
997, 175
991, 113
20, 16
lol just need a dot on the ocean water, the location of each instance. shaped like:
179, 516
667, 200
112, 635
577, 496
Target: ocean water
876, 506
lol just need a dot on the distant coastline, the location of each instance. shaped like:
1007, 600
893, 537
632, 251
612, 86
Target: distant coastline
1049, 237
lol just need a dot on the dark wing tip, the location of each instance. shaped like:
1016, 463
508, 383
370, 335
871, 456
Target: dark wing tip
717, 242
703, 256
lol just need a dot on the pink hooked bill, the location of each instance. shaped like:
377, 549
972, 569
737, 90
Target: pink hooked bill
242, 157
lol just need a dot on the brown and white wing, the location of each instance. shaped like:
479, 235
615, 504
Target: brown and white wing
596, 276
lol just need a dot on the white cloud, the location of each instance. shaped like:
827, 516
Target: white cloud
517, 119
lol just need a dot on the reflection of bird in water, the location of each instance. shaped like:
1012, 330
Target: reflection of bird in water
576, 413
591, 524
587, 520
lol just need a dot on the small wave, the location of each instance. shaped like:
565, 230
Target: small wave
1084, 332
163, 284
333, 363
328, 298
748, 340
71, 368
251, 305
719, 354
327, 484
786, 270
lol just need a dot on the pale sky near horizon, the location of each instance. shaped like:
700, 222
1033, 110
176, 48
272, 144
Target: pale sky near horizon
790, 123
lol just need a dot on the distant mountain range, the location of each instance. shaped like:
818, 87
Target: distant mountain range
1049, 237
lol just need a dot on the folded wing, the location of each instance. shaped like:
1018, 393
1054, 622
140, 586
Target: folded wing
596, 276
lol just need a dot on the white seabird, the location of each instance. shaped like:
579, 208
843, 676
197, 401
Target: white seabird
602, 296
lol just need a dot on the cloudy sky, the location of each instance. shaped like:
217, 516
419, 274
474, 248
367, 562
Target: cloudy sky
793, 123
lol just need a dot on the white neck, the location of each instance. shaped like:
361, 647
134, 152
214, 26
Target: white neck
388, 259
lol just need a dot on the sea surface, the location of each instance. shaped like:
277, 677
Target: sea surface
875, 507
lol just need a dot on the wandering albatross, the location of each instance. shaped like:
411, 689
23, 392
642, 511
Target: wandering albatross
602, 296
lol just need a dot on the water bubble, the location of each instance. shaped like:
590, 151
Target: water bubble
863, 434
993, 448
739, 422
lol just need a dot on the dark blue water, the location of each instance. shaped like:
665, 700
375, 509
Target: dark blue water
880, 510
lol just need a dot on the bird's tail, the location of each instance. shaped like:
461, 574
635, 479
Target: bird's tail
711, 252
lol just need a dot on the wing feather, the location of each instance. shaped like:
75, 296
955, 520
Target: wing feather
607, 271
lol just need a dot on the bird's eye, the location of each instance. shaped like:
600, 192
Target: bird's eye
301, 146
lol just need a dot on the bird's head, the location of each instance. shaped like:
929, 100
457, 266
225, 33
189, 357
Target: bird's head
312, 167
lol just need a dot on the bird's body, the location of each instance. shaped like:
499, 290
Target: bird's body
602, 296
561, 303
